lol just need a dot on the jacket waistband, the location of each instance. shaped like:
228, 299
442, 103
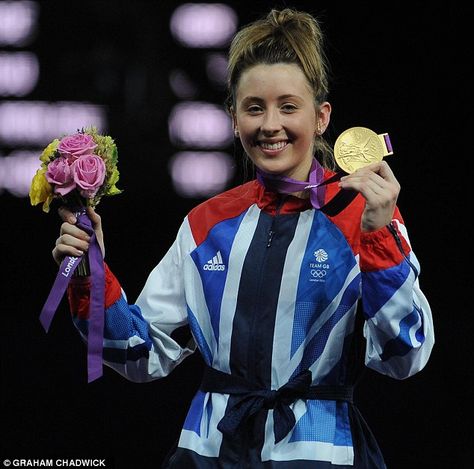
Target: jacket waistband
250, 399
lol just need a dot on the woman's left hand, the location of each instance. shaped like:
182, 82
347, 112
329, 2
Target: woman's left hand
380, 188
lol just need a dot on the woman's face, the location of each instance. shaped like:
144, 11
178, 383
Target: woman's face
277, 120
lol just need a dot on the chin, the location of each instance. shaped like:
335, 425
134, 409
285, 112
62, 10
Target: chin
273, 167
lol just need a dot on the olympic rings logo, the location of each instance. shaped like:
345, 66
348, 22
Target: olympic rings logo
318, 273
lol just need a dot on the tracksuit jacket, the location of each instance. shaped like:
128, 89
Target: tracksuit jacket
272, 290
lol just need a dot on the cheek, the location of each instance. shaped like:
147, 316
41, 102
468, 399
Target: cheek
304, 131
247, 130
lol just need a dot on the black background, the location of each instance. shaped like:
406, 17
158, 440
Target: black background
396, 67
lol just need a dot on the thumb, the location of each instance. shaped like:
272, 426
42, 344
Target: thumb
95, 218
97, 226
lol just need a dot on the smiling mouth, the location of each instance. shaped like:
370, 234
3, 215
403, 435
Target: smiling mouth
273, 146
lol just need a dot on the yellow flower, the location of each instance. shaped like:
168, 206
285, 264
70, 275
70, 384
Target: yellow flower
41, 190
114, 177
49, 151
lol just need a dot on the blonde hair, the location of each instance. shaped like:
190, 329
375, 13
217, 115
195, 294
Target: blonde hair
283, 36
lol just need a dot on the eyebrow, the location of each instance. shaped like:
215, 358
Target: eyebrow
283, 96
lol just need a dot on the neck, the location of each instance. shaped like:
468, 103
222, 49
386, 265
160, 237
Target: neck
302, 189
300, 194
301, 173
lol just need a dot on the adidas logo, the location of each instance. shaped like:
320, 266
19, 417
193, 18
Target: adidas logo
215, 263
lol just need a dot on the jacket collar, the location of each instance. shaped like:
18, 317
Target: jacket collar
270, 201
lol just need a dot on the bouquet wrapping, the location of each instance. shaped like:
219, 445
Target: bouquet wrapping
79, 170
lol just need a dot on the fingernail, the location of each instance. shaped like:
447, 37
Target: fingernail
72, 220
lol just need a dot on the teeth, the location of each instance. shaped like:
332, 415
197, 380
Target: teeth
273, 146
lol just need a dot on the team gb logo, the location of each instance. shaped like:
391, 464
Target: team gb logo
321, 255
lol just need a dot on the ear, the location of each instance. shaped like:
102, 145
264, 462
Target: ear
233, 116
323, 116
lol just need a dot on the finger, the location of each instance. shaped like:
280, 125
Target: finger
358, 179
72, 241
66, 215
375, 189
73, 230
94, 217
62, 250
383, 176
370, 187
383, 169
97, 225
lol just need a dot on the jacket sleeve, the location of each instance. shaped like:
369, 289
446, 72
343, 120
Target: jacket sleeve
137, 337
398, 322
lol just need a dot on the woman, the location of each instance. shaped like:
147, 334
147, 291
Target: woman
269, 282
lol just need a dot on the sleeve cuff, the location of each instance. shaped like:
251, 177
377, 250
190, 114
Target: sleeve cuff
79, 293
379, 249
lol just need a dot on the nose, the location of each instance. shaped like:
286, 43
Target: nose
271, 123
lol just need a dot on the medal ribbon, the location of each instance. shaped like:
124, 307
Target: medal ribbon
97, 295
315, 185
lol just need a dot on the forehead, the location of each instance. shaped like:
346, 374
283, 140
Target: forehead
267, 81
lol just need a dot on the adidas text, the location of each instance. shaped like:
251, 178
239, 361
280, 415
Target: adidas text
213, 267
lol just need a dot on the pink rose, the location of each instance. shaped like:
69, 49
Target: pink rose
89, 173
74, 146
59, 174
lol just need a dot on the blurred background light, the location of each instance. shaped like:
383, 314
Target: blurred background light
37, 122
199, 124
204, 24
182, 85
200, 174
17, 170
18, 21
19, 72
216, 68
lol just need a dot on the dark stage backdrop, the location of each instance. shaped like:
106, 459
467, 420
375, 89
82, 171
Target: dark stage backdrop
395, 67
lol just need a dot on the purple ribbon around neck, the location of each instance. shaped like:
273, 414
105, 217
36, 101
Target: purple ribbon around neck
315, 185
97, 295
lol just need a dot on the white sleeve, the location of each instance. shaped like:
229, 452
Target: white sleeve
399, 323
137, 337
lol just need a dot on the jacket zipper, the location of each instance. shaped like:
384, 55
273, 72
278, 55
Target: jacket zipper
271, 232
394, 232
270, 237
253, 335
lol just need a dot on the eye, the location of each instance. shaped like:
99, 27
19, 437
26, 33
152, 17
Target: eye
254, 109
288, 108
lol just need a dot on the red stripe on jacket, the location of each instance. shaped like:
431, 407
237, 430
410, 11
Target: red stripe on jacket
79, 293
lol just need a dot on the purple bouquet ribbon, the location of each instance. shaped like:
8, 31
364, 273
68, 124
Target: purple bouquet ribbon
97, 296
315, 185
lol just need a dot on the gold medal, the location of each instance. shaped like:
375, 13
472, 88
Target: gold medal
358, 147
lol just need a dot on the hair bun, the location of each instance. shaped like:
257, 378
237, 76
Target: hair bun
281, 17
297, 19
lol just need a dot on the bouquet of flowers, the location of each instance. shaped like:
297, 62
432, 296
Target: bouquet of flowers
79, 170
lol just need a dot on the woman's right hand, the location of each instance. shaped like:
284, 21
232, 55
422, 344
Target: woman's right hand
72, 240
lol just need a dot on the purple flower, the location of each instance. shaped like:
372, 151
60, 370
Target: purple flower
59, 174
89, 173
74, 146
